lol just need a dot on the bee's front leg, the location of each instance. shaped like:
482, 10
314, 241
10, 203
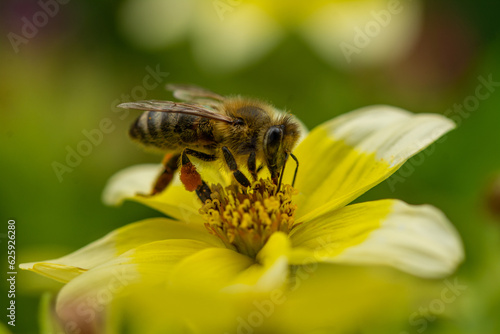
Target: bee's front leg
233, 167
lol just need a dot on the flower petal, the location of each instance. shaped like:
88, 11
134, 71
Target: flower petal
147, 264
175, 201
217, 268
271, 268
416, 239
154, 24
129, 182
118, 242
343, 32
343, 158
230, 39
349, 299
212, 268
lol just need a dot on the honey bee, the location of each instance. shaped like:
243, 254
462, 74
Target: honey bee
239, 131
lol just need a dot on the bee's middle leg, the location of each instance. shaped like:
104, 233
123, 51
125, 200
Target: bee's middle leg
190, 176
231, 163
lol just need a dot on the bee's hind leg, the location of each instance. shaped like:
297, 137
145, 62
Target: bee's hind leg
170, 165
190, 176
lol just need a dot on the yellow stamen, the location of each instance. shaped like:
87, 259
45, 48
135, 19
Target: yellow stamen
245, 218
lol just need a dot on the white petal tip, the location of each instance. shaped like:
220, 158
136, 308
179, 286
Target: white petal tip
27, 266
416, 239
129, 182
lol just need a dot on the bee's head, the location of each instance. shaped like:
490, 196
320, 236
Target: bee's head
279, 140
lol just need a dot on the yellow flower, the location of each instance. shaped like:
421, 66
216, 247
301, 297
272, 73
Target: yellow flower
226, 35
253, 240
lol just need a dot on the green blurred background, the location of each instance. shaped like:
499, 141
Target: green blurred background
67, 77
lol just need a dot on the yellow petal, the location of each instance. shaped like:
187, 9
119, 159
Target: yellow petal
220, 268
129, 182
175, 201
229, 37
150, 310
148, 264
363, 32
416, 239
59, 272
349, 299
212, 268
154, 24
4, 329
271, 269
117, 242
343, 158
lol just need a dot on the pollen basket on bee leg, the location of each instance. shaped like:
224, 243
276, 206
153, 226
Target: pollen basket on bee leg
190, 177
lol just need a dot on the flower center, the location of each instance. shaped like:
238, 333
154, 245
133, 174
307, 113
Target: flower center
245, 218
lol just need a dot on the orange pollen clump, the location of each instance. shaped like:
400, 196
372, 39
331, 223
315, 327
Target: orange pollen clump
245, 218
190, 177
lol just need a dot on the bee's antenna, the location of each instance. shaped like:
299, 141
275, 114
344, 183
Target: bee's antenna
296, 168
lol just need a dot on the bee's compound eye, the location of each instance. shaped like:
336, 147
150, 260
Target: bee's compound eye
274, 136
273, 139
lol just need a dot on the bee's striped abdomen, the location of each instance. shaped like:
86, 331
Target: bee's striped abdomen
170, 131
151, 129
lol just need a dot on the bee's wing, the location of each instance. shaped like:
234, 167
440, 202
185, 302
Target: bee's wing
192, 93
176, 107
